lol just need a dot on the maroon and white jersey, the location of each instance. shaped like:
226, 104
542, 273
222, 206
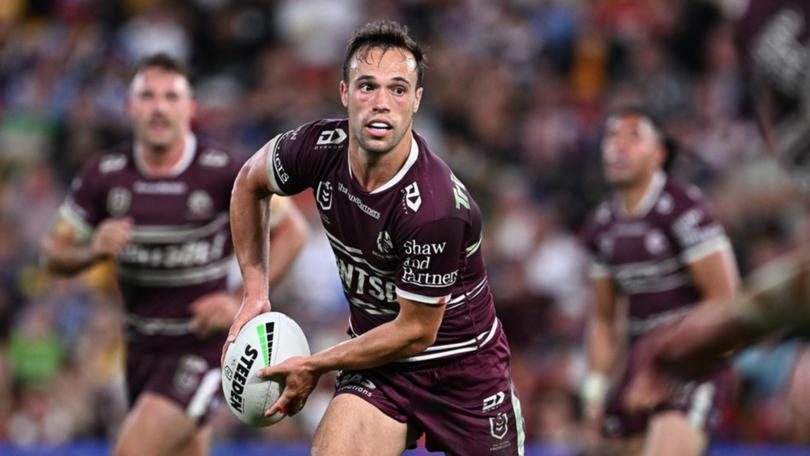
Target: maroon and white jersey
646, 256
418, 236
181, 246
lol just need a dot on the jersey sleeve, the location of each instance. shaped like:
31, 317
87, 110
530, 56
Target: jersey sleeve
597, 265
429, 258
84, 205
294, 159
695, 230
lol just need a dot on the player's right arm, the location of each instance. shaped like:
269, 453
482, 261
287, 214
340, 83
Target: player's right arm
602, 345
250, 199
66, 250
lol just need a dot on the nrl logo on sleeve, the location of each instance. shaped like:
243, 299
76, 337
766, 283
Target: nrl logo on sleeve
412, 197
335, 136
324, 195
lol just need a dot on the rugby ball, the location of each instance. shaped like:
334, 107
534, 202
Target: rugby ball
265, 340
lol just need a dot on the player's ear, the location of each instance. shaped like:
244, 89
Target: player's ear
418, 99
344, 94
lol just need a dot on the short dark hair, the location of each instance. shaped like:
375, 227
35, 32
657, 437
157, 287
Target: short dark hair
385, 35
669, 143
162, 61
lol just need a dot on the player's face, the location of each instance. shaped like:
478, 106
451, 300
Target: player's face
631, 150
381, 97
160, 106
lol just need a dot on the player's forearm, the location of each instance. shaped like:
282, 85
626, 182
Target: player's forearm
602, 346
386, 343
250, 235
67, 259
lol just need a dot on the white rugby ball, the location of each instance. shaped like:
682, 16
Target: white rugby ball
265, 340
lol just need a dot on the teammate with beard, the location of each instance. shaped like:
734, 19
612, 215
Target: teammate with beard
159, 206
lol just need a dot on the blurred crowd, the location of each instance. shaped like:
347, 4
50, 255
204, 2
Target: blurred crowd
515, 95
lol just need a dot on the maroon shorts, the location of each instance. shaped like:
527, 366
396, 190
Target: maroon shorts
701, 400
191, 378
465, 406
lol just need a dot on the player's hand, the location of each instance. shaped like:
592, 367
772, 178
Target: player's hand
249, 309
299, 381
111, 236
212, 313
647, 390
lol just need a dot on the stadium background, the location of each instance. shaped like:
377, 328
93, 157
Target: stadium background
515, 93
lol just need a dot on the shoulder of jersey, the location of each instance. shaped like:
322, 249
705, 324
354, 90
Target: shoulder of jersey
321, 134
432, 192
676, 198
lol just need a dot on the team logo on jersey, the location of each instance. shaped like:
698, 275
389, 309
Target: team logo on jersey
335, 136
384, 243
324, 195
118, 201
497, 425
493, 402
655, 242
200, 202
412, 197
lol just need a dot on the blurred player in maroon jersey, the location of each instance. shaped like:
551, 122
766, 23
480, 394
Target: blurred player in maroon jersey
159, 206
427, 353
656, 245
774, 37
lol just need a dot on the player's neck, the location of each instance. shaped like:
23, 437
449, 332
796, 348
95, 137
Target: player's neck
160, 161
371, 170
634, 196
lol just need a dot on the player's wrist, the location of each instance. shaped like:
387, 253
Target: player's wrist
594, 390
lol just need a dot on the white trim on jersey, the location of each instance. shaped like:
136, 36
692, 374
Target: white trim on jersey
189, 149
474, 248
84, 231
346, 250
464, 297
272, 147
164, 234
443, 351
705, 248
435, 301
412, 156
651, 194
701, 405
371, 308
175, 277
598, 270
205, 392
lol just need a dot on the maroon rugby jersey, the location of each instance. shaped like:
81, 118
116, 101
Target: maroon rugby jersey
181, 245
418, 236
647, 255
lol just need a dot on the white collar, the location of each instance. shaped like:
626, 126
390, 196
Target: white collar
187, 156
651, 194
412, 156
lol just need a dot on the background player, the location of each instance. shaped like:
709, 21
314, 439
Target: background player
772, 34
160, 206
427, 353
655, 244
